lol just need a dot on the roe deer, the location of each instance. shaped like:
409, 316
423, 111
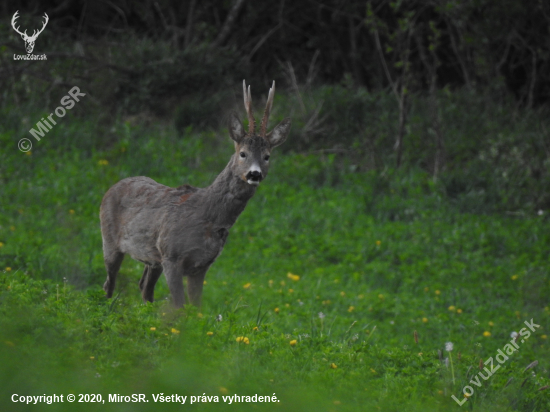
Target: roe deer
181, 231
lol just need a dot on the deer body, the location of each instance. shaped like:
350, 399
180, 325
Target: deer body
181, 231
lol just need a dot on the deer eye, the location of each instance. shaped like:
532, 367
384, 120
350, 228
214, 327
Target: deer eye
266, 158
242, 154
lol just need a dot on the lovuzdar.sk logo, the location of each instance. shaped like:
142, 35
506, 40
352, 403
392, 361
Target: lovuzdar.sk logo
29, 40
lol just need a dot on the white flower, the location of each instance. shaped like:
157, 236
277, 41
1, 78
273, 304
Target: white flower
219, 318
514, 335
321, 315
541, 212
449, 346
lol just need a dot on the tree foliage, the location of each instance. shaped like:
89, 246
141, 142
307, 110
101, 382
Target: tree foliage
162, 47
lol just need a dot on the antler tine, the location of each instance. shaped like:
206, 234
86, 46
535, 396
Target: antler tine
37, 32
267, 111
13, 22
248, 107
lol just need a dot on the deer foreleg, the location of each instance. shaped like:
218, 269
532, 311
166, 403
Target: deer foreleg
194, 288
173, 271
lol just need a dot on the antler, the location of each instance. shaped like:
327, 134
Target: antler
268, 105
35, 32
15, 17
248, 107
35, 35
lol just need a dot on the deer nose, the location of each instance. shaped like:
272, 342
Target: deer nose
254, 175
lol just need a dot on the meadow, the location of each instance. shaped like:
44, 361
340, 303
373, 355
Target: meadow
338, 289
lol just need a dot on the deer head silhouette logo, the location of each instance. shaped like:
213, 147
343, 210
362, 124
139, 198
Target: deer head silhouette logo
29, 40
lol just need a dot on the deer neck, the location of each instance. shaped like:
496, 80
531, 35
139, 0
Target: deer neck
226, 197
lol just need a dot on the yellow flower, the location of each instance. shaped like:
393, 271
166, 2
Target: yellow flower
204, 282
246, 285
486, 334
290, 290
243, 339
293, 342
491, 324
8, 269
1, 244
153, 328
378, 243
425, 320
459, 311
380, 296
223, 390
71, 212
209, 333
276, 310
437, 292
342, 293
175, 331
199, 315
270, 283
351, 309
103, 162
333, 366
255, 328
544, 336
515, 277
452, 308
287, 305
295, 278
28, 153
92, 357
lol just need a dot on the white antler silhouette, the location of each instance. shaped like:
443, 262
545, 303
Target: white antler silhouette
29, 40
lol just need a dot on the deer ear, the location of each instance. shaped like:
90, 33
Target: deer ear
279, 134
236, 129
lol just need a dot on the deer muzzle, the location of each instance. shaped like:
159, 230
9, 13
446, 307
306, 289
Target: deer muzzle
254, 177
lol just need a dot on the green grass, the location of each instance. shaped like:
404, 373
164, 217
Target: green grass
347, 265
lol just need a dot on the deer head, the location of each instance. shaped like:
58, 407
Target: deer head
29, 40
252, 151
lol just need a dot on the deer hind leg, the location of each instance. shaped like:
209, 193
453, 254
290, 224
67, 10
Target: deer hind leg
148, 281
113, 261
173, 271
